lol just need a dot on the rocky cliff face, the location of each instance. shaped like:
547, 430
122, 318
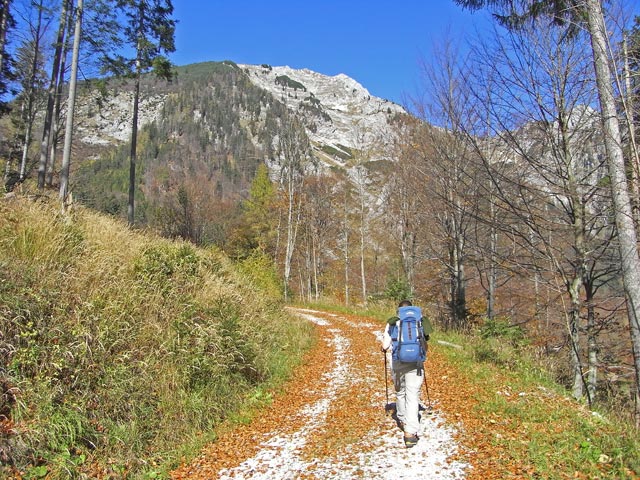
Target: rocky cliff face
338, 111
209, 130
339, 115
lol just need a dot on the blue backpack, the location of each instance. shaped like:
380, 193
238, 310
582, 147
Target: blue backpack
407, 337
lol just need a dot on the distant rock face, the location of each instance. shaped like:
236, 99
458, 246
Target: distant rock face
339, 111
108, 120
339, 114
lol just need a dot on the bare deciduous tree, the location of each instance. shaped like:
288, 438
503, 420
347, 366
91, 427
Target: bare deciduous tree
294, 157
572, 173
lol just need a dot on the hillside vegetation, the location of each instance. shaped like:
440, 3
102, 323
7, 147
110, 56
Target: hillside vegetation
120, 350
213, 124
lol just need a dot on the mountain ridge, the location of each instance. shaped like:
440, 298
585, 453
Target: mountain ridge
208, 130
337, 111
355, 117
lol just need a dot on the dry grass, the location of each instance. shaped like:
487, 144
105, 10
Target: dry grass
120, 349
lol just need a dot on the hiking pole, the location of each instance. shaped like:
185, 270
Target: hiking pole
426, 387
386, 385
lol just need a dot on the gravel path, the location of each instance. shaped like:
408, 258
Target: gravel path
330, 422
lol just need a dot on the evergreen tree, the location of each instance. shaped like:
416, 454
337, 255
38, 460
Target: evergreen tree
259, 208
149, 30
6, 72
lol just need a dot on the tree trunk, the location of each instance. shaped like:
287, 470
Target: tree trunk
458, 278
407, 241
592, 353
134, 147
346, 251
574, 337
68, 133
31, 95
57, 119
628, 110
51, 94
309, 269
290, 237
461, 290
27, 138
134, 120
493, 262
628, 245
363, 234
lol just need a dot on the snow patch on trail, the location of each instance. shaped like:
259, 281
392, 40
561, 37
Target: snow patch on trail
380, 454
388, 459
279, 457
317, 320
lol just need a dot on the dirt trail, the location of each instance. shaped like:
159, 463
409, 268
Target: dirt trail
331, 423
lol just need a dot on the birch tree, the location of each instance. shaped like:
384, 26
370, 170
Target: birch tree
589, 14
294, 161
403, 198
321, 227
362, 178
627, 234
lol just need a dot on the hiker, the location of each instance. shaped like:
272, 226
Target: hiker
407, 376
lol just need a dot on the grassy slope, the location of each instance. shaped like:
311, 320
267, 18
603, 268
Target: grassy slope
520, 424
119, 350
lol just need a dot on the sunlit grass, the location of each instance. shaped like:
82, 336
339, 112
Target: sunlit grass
533, 421
125, 351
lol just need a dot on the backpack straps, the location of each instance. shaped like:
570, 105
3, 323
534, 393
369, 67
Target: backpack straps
423, 345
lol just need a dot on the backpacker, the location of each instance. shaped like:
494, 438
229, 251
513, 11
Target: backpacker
407, 337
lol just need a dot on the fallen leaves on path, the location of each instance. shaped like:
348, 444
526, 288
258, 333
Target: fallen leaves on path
329, 421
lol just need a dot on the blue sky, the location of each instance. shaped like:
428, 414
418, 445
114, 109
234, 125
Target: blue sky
379, 43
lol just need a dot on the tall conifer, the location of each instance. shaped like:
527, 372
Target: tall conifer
149, 30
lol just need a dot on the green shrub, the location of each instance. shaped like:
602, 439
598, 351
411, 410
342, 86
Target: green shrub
502, 329
499, 343
260, 269
398, 289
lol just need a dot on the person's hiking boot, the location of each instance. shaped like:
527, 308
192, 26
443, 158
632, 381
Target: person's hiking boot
410, 440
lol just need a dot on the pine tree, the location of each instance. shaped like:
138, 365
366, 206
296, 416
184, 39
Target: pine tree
6, 72
149, 30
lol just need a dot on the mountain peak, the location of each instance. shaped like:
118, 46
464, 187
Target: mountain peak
339, 114
338, 110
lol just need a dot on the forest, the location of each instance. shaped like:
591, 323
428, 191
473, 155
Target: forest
507, 200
